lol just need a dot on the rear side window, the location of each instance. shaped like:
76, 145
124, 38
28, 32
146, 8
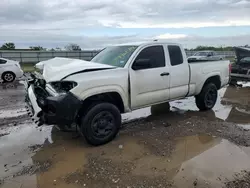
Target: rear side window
155, 54
175, 55
2, 61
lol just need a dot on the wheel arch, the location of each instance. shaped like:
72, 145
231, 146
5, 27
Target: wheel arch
215, 79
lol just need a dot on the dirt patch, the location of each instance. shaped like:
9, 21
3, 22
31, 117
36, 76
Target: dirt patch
107, 173
189, 123
38, 167
241, 180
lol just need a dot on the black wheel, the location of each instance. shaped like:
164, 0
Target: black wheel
101, 123
207, 97
8, 76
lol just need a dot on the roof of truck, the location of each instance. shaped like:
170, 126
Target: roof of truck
145, 43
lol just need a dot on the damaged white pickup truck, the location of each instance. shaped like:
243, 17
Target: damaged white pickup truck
93, 95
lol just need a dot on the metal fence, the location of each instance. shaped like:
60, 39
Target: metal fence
37, 56
227, 54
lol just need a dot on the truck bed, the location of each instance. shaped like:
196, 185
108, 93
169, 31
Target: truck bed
198, 74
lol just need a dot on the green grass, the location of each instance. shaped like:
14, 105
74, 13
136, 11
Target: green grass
232, 60
27, 67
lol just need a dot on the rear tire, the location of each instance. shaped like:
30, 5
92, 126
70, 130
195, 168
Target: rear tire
8, 76
207, 97
101, 123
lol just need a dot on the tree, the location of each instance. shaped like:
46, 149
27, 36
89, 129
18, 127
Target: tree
8, 46
58, 49
221, 48
37, 48
73, 47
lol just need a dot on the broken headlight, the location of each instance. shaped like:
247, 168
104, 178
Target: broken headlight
63, 86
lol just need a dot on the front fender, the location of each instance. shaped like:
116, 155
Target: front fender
105, 89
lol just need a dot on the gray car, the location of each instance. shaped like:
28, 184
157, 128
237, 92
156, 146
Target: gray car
205, 56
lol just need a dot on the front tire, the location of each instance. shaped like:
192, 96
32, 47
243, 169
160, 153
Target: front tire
101, 123
207, 97
8, 76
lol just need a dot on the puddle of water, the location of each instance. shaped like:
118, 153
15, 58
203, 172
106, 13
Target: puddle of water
12, 113
137, 114
182, 106
17, 85
222, 160
14, 146
225, 108
199, 157
244, 84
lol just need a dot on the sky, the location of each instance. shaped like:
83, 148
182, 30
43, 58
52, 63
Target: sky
98, 23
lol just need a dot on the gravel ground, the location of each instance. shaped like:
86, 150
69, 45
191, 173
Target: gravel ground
241, 180
156, 147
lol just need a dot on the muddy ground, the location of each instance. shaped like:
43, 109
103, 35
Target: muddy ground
155, 148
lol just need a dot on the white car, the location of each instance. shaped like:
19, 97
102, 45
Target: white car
205, 56
120, 79
10, 70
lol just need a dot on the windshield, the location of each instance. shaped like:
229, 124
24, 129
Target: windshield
115, 56
201, 54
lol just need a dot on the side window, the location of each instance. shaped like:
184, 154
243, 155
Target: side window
2, 61
175, 55
154, 54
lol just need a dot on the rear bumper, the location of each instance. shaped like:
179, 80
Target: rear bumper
58, 110
240, 77
19, 73
225, 81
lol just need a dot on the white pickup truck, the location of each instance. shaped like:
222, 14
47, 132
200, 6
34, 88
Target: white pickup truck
93, 95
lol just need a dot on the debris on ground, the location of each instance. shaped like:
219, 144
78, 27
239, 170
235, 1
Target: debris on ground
195, 183
241, 180
38, 167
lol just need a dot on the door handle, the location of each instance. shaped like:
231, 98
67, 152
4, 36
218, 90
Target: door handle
165, 74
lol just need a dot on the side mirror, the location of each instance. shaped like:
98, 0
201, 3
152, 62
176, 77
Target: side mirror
141, 64
209, 55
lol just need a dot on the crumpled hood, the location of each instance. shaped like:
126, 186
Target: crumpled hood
59, 68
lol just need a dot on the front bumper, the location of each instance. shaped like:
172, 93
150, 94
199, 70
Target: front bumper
58, 110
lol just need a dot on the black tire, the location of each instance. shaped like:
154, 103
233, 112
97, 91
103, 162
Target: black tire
207, 97
8, 77
101, 123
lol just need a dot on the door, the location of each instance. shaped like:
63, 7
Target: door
210, 56
149, 77
179, 81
